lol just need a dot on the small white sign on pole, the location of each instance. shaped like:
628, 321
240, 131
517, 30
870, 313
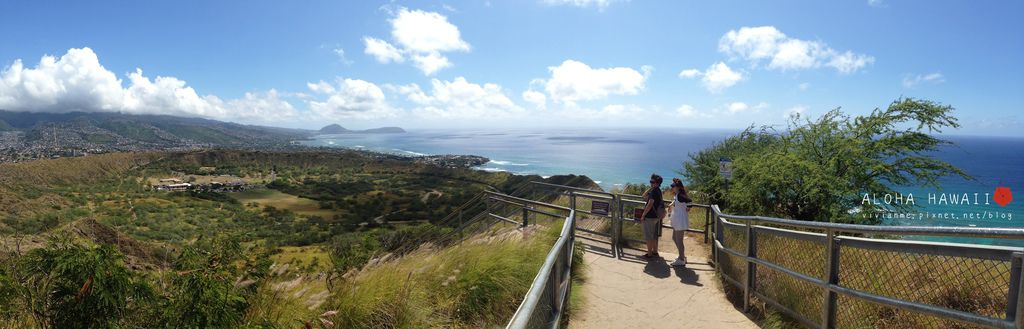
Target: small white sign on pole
725, 168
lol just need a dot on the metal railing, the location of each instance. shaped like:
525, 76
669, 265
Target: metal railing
823, 276
548, 296
611, 224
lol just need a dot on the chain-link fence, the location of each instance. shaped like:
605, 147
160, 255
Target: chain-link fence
827, 275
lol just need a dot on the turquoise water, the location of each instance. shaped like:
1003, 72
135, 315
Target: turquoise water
616, 156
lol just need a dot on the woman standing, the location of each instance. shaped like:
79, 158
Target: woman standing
680, 217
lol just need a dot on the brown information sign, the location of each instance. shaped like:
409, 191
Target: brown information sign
600, 208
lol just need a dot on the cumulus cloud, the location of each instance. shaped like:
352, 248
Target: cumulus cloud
600, 4
690, 73
574, 81
719, 76
74, 82
686, 111
350, 99
382, 51
340, 52
931, 78
736, 107
77, 81
766, 43
538, 99
421, 36
461, 99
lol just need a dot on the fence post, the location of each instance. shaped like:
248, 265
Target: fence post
617, 225
828, 312
707, 224
749, 284
1015, 307
572, 200
526, 215
717, 237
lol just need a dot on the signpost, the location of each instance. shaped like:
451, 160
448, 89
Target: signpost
600, 208
638, 213
725, 168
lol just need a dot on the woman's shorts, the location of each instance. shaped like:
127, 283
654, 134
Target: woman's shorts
651, 226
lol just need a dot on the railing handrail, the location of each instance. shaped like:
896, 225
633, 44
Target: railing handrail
521, 319
974, 232
834, 286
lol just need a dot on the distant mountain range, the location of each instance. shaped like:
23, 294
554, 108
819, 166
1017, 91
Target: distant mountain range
22, 132
334, 129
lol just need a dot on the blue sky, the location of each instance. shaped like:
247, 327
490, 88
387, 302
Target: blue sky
708, 64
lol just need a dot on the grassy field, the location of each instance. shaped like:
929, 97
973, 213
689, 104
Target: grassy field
281, 200
312, 258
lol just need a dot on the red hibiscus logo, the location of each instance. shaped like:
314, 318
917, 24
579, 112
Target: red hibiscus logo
1002, 196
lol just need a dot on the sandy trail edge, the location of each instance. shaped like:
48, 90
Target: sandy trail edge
632, 293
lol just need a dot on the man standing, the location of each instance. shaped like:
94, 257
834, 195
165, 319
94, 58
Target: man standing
650, 221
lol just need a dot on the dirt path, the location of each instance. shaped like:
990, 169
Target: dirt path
633, 293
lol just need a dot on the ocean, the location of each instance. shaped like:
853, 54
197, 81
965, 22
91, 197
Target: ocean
613, 157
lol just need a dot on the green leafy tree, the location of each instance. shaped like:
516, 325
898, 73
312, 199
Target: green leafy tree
204, 293
67, 285
820, 169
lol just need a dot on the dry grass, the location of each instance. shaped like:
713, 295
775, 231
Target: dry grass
475, 284
964, 284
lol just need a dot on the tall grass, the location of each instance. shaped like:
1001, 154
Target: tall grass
965, 284
478, 283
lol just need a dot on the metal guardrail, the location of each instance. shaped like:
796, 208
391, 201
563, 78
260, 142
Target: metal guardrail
870, 282
611, 225
548, 296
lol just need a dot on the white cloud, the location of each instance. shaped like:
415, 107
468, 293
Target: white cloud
719, 76
797, 111
77, 82
757, 44
538, 99
600, 4
422, 36
460, 99
736, 107
350, 99
686, 111
849, 62
617, 113
574, 81
931, 78
262, 107
876, 3
431, 63
426, 32
381, 50
689, 73
804, 86
341, 55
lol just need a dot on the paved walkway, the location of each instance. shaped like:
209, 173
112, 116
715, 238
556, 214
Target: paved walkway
634, 293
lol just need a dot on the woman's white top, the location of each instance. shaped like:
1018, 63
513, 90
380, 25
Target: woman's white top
680, 215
